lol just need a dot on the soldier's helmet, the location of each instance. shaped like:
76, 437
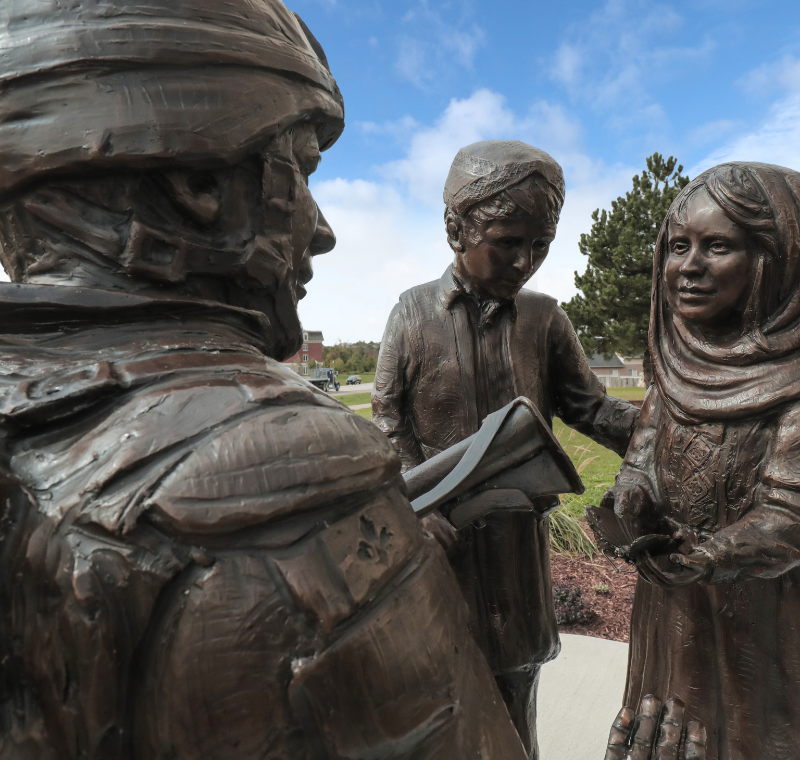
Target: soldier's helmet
162, 80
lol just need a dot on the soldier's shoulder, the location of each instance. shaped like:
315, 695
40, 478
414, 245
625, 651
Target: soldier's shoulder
231, 441
277, 460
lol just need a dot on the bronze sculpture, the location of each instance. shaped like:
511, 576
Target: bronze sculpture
456, 350
201, 556
706, 502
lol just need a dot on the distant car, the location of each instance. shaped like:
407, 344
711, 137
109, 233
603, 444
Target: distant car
353, 380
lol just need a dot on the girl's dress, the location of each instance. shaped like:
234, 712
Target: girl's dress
730, 651
718, 449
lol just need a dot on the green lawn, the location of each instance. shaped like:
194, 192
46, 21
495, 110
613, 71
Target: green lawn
597, 465
355, 398
632, 394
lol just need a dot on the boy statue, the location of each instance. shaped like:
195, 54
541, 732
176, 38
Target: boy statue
201, 555
464, 346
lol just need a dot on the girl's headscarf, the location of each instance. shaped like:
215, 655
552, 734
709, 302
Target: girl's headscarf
760, 370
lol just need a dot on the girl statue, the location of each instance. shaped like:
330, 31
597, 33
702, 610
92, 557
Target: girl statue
707, 502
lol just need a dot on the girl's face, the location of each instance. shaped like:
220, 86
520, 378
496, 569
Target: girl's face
709, 268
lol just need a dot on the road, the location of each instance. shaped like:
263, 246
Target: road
349, 390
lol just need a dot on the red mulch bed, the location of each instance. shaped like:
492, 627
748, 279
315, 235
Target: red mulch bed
612, 611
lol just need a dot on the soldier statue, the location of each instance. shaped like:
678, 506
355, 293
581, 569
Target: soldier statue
201, 556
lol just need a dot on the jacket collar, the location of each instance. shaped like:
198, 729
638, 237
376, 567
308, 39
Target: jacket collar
451, 288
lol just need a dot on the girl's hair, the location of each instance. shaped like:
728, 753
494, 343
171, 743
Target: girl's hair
741, 196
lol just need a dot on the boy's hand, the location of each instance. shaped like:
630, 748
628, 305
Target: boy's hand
441, 529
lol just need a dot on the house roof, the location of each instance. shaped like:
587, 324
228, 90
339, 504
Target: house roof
314, 336
596, 361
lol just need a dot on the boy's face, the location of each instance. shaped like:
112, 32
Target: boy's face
501, 255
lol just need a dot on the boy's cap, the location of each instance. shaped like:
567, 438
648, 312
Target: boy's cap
137, 83
486, 168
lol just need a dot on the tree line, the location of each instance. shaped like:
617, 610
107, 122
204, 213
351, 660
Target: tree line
611, 312
354, 358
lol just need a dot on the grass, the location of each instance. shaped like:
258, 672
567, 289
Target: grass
355, 398
631, 394
596, 465
366, 377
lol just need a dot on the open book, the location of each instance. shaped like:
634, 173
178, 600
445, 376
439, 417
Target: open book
509, 464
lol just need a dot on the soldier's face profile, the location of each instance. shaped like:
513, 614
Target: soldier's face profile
261, 206
501, 255
257, 223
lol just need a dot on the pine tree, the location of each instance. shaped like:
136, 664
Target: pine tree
611, 313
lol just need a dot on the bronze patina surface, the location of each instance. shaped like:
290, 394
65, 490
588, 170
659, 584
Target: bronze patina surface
708, 500
457, 349
201, 556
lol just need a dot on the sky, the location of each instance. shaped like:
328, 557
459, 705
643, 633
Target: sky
599, 86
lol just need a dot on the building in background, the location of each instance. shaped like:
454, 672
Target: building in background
634, 366
310, 352
616, 372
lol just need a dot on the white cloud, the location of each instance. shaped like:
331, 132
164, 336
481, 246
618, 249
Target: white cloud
390, 231
611, 56
771, 77
773, 136
431, 46
431, 150
385, 245
411, 62
464, 44
568, 64
712, 132
776, 140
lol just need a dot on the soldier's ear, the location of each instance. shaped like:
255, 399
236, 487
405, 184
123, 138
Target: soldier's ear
455, 231
196, 193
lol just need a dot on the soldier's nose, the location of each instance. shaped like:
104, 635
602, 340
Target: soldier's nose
324, 240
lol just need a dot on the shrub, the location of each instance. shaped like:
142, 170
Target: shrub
570, 607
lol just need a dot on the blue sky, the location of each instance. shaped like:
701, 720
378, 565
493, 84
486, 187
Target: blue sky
599, 86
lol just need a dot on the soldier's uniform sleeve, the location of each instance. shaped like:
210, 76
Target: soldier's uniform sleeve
390, 391
579, 398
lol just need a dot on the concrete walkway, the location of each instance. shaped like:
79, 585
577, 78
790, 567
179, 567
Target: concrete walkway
580, 694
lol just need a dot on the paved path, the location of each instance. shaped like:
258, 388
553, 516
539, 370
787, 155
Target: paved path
346, 390
580, 694
356, 407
